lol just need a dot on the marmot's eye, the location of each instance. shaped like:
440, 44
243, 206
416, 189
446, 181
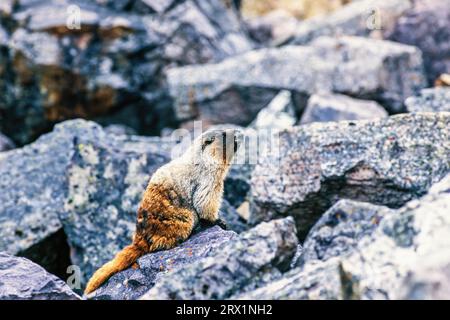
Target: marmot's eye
209, 141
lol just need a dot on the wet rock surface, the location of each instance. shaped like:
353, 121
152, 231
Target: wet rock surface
22, 279
385, 162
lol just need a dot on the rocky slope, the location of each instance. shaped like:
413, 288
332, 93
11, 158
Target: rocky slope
333, 194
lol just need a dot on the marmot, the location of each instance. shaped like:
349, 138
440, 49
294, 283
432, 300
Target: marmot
181, 194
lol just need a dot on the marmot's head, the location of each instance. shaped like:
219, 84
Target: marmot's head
216, 148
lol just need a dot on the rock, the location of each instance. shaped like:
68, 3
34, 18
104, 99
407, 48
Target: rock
425, 26
21, 279
340, 229
133, 283
232, 218
279, 113
275, 27
40, 194
6, 143
385, 162
324, 107
366, 18
104, 60
119, 129
236, 89
317, 281
405, 257
430, 100
242, 261
32, 181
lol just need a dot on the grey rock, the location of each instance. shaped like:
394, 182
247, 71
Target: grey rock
237, 88
119, 129
323, 107
385, 162
405, 257
21, 279
366, 18
32, 180
232, 218
425, 26
133, 283
430, 100
5, 143
280, 113
233, 266
340, 229
108, 66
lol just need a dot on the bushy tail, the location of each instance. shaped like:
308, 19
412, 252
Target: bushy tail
121, 261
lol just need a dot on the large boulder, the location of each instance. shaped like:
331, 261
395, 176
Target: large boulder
236, 89
244, 263
104, 60
21, 279
386, 162
425, 26
430, 100
406, 256
324, 107
340, 229
32, 181
133, 283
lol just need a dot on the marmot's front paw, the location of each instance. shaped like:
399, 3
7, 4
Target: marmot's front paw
221, 223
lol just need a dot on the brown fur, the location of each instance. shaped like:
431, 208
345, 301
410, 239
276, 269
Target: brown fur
166, 217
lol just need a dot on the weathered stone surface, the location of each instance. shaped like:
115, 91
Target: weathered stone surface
21, 279
133, 283
386, 162
104, 60
5, 143
232, 218
234, 90
324, 107
32, 180
430, 100
425, 26
366, 18
280, 113
240, 263
405, 257
316, 281
340, 229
